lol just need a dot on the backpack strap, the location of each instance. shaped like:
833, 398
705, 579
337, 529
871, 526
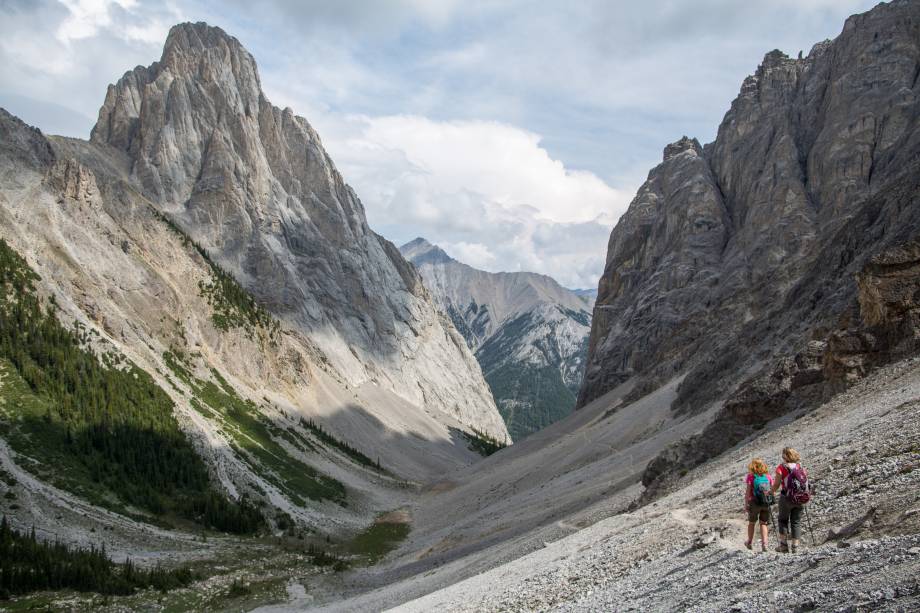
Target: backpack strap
788, 473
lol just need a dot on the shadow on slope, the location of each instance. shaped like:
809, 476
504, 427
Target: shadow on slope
572, 474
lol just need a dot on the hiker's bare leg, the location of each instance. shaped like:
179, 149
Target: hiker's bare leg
763, 533
750, 531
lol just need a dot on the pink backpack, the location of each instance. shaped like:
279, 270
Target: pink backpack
795, 485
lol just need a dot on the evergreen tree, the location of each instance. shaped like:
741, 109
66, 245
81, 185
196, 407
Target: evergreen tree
28, 564
107, 416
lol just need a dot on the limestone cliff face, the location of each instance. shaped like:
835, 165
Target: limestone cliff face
664, 263
252, 184
727, 251
112, 263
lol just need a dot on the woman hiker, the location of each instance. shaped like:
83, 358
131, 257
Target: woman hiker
791, 476
758, 497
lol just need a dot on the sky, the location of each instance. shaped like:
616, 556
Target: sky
511, 133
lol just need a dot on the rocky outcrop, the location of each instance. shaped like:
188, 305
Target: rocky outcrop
73, 181
887, 330
23, 143
252, 184
728, 251
889, 303
529, 333
661, 285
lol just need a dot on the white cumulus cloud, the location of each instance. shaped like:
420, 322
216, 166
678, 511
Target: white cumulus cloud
486, 192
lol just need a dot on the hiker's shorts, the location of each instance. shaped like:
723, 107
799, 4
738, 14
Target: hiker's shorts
755, 512
790, 517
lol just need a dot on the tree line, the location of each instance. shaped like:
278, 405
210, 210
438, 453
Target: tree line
28, 565
233, 305
342, 446
482, 443
113, 421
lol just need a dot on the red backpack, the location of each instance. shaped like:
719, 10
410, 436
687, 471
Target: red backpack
795, 485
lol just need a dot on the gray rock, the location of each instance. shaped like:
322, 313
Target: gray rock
24, 142
252, 184
663, 259
783, 249
730, 252
523, 327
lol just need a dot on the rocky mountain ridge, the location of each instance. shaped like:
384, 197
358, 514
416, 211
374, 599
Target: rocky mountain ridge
528, 333
204, 237
734, 254
252, 184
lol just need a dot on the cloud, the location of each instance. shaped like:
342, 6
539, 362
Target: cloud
486, 192
476, 255
57, 58
606, 84
87, 17
504, 162
512, 132
381, 18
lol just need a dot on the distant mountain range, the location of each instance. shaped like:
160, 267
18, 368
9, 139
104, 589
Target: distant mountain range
528, 333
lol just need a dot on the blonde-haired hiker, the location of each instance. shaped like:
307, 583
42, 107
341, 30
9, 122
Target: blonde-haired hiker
758, 498
791, 476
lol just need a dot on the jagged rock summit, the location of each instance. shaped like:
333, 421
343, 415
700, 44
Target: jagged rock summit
528, 332
727, 253
252, 184
205, 237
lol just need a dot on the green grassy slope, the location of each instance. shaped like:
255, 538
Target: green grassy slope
96, 426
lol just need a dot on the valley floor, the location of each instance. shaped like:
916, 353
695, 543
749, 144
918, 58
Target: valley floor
495, 537
685, 551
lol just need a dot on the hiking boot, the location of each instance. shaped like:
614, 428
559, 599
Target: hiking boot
747, 544
763, 547
782, 548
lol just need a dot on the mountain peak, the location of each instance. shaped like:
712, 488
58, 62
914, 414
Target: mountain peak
417, 243
199, 38
215, 103
420, 251
684, 144
189, 43
774, 58
190, 35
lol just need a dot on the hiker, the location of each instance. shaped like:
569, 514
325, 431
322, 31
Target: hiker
791, 476
758, 498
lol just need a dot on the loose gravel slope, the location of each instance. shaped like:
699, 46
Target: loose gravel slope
685, 551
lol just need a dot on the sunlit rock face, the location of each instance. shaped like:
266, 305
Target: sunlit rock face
252, 184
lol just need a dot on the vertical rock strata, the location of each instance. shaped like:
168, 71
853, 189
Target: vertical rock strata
252, 184
730, 251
